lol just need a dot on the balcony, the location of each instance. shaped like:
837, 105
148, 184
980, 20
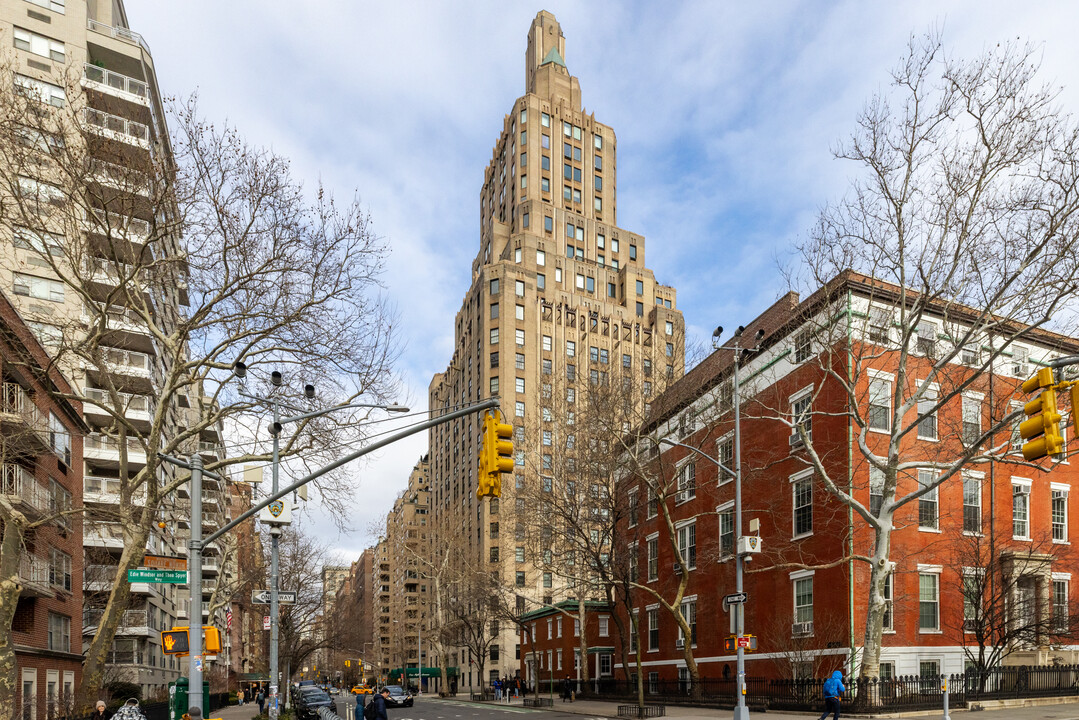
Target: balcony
103, 535
115, 225
106, 450
129, 362
134, 407
122, 34
34, 576
118, 128
24, 425
107, 490
211, 450
119, 177
132, 622
116, 84
23, 490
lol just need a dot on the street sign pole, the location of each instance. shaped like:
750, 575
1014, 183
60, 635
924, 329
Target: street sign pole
194, 579
275, 537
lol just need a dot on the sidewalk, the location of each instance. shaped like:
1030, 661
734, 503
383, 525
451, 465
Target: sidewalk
1066, 709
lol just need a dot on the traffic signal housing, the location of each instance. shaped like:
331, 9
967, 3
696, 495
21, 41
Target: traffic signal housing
178, 640
496, 456
1041, 429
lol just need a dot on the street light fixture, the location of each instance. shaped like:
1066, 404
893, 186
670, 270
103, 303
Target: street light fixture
277, 424
741, 711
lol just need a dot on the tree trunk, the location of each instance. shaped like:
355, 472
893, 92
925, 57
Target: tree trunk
874, 623
93, 671
10, 551
582, 646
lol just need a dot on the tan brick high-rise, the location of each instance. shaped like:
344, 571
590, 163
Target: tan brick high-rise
560, 295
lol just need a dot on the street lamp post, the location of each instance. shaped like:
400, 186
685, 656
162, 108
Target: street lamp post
275, 531
741, 711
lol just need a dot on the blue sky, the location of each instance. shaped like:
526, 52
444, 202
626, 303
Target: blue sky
725, 115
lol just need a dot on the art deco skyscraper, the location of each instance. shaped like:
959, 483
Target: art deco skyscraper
560, 299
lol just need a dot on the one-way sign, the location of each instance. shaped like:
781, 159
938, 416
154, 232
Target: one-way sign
736, 598
262, 597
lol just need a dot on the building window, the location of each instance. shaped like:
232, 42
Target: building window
546, 342
571, 373
541, 281
604, 626
972, 598
59, 569
927, 503
494, 336
547, 580
494, 359
689, 612
571, 348
880, 404
519, 409
494, 287
687, 544
548, 222
519, 337
653, 629
59, 439
876, 490
59, 632
1061, 614
493, 383
1021, 510
888, 623
972, 502
653, 503
1059, 511
519, 312
926, 343
519, 384
39, 288
801, 414
519, 578
802, 489
928, 601
519, 361
519, 288
687, 480
972, 419
632, 248
802, 345
40, 90
927, 423
726, 530
803, 600
653, 559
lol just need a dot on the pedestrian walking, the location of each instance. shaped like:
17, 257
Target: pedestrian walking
497, 684
261, 699
100, 713
567, 690
833, 689
376, 710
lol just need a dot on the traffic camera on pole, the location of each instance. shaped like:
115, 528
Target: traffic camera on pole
1042, 429
496, 456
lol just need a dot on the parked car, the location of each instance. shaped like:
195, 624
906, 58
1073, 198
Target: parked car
308, 700
399, 697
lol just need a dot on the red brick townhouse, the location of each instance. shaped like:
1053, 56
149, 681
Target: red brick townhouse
41, 476
980, 541
551, 644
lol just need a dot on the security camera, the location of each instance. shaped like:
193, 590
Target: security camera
240, 368
275, 378
309, 392
718, 332
741, 329
760, 334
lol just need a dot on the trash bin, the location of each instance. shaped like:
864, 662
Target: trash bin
178, 698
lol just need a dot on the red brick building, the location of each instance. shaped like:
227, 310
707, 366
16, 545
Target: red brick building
831, 363
41, 477
551, 641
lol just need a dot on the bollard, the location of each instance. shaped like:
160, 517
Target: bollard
944, 690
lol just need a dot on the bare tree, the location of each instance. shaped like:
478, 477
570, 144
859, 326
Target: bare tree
177, 255
965, 210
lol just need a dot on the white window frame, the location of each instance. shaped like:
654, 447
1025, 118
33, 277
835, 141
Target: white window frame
929, 398
925, 571
683, 532
1059, 491
876, 378
933, 496
797, 577
803, 476
1021, 486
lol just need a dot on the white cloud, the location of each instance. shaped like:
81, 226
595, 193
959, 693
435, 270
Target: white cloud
724, 113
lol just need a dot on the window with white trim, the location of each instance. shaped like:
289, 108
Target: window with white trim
1061, 611
803, 343
687, 544
652, 545
928, 515
604, 626
972, 418
802, 414
972, 501
876, 490
726, 529
687, 480
725, 455
929, 601
1020, 510
802, 502
803, 599
653, 628
926, 342
972, 597
1059, 512
880, 403
927, 414
888, 623
689, 612
38, 287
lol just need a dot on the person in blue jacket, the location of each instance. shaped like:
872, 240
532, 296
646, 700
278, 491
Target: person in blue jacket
833, 689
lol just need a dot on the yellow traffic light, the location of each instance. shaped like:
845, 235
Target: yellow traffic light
496, 456
1042, 429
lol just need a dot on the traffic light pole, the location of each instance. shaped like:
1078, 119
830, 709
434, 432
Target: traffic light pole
275, 538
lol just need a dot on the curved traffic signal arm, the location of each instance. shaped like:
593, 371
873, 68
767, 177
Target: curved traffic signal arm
1042, 428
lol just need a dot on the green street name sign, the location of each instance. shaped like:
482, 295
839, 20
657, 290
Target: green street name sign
147, 575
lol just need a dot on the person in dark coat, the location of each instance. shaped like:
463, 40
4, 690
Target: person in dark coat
380, 704
100, 713
567, 690
833, 689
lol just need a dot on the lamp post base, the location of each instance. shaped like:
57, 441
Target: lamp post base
741, 712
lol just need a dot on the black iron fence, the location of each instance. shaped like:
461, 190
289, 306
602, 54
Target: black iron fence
906, 693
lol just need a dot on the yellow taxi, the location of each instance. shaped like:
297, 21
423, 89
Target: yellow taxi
361, 690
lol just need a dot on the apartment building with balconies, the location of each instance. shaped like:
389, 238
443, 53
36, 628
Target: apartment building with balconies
85, 57
41, 438
560, 300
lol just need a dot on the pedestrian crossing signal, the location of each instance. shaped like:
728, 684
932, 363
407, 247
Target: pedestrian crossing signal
175, 642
